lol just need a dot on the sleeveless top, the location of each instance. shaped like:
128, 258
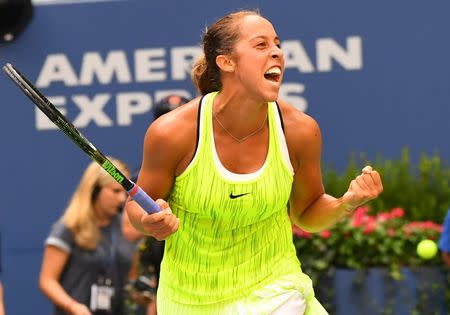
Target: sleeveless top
235, 235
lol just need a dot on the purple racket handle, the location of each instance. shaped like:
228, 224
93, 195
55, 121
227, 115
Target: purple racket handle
144, 200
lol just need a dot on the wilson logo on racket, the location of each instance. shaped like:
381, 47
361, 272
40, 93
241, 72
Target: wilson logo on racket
111, 169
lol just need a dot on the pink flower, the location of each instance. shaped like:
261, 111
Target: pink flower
422, 225
296, 231
384, 216
397, 212
325, 234
300, 233
359, 216
370, 226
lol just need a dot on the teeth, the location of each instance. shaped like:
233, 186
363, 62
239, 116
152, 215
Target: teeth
274, 70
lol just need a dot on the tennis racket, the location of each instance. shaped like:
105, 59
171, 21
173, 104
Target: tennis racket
133, 190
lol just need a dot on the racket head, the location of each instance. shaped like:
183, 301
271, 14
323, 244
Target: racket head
136, 193
32, 92
52, 112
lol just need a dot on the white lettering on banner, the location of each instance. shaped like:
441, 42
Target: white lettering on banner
92, 110
56, 68
130, 104
182, 60
328, 50
146, 63
150, 64
295, 56
115, 63
163, 66
291, 93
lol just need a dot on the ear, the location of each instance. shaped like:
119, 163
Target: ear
225, 63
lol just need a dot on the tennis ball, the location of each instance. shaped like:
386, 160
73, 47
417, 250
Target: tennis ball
427, 249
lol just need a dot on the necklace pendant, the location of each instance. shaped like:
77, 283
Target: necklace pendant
240, 140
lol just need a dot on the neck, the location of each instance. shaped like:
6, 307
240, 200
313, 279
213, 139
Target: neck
239, 110
240, 120
234, 102
102, 219
103, 222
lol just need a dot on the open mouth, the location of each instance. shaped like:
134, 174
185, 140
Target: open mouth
273, 74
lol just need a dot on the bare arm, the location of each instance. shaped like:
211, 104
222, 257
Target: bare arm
53, 264
311, 208
168, 147
156, 178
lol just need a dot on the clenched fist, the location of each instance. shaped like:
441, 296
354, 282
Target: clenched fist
364, 187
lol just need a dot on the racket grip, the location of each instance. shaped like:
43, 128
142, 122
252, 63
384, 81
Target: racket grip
140, 196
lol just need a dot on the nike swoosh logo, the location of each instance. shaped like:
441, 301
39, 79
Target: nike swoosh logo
237, 196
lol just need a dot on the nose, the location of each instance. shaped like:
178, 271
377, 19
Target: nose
276, 52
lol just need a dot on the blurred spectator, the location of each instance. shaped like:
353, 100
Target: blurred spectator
86, 258
169, 103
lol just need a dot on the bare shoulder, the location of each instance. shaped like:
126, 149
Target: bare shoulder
182, 117
176, 128
298, 125
302, 133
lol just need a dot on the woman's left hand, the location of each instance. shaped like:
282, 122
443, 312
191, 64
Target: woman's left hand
364, 187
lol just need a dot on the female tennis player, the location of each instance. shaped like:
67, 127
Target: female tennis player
228, 163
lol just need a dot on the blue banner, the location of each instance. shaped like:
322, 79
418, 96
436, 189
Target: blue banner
374, 75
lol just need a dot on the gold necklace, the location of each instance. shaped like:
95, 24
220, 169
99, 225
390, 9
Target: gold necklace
247, 136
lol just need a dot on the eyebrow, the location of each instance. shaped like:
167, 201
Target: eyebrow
264, 37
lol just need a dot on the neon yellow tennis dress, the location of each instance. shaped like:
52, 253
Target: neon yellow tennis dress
233, 252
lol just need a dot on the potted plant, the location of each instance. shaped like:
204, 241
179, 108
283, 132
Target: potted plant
367, 263
369, 251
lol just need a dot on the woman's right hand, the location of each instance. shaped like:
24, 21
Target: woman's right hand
162, 224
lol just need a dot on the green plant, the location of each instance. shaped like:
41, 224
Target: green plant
363, 240
422, 188
385, 232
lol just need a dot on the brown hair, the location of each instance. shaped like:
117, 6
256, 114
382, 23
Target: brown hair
219, 39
